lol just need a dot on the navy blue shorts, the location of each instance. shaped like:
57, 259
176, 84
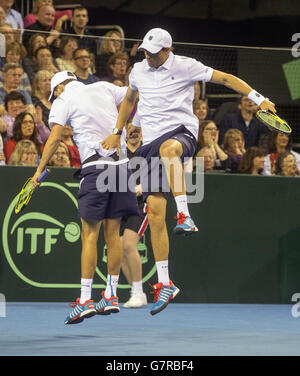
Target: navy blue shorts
105, 192
153, 178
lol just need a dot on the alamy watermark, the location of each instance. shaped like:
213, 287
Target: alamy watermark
2, 306
295, 311
2, 45
296, 46
156, 175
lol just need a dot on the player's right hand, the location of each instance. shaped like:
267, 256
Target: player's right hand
111, 142
267, 105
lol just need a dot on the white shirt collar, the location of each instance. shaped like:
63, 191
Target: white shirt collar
166, 65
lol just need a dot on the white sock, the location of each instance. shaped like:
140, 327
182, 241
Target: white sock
182, 206
111, 286
86, 290
163, 272
137, 287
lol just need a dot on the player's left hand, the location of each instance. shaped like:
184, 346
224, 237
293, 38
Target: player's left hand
111, 142
267, 105
34, 182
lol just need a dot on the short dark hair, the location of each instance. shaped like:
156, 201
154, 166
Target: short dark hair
79, 8
80, 49
13, 96
42, 48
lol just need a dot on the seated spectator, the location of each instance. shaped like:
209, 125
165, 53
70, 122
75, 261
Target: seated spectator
45, 61
82, 62
67, 139
252, 161
2, 16
80, 20
24, 129
60, 15
209, 158
200, 109
29, 64
14, 104
41, 91
117, 68
234, 147
2, 155
45, 20
285, 165
208, 136
12, 17
61, 157
65, 60
110, 44
279, 143
12, 75
15, 54
25, 154
9, 34
244, 119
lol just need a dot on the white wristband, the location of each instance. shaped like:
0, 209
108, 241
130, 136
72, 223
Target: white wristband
256, 97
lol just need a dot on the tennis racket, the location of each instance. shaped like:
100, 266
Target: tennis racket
26, 192
273, 122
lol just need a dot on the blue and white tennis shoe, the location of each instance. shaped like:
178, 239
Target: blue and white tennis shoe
185, 225
163, 294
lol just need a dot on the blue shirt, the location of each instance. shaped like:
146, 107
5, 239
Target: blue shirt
15, 19
3, 93
90, 80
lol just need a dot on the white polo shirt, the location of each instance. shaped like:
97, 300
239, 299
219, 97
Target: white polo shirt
166, 94
91, 111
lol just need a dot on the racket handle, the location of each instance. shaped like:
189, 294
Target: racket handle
43, 175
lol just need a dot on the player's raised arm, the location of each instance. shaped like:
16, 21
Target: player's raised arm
235, 83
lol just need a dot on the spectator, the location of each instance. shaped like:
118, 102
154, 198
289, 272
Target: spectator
200, 109
110, 44
60, 15
14, 54
279, 143
234, 147
9, 34
252, 161
45, 19
25, 154
117, 67
209, 158
67, 139
12, 17
45, 61
61, 157
24, 129
2, 16
82, 61
80, 20
29, 64
12, 75
2, 155
285, 165
65, 60
208, 136
244, 119
40, 93
14, 104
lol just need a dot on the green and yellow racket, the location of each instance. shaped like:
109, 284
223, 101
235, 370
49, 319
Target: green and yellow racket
26, 192
274, 122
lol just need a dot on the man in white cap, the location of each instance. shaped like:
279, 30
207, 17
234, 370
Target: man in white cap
92, 111
165, 85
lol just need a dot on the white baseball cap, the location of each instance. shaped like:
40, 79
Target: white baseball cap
155, 40
58, 78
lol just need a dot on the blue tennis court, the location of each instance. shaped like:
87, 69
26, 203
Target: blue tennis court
38, 329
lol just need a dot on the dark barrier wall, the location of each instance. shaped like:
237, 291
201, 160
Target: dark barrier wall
247, 249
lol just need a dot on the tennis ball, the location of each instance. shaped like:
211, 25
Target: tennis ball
72, 232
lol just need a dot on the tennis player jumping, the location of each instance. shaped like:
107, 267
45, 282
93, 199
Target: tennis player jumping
91, 111
165, 85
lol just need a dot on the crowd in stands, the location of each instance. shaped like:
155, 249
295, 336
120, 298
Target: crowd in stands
46, 41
